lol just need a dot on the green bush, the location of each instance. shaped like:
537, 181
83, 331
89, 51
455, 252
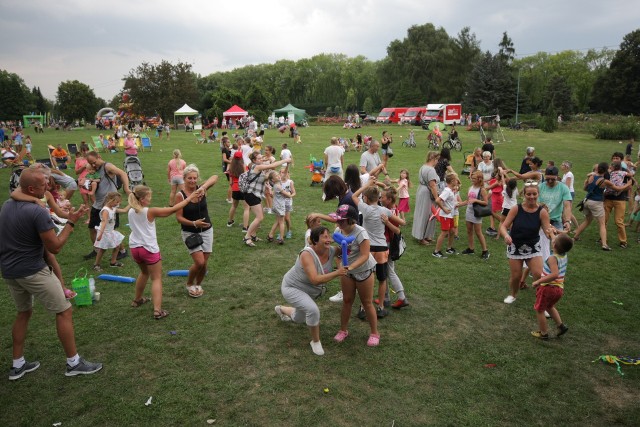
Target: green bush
622, 130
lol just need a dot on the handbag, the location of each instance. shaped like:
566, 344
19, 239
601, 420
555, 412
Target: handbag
480, 211
81, 287
580, 205
389, 152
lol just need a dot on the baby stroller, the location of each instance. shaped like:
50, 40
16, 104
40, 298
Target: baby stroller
133, 168
14, 179
317, 171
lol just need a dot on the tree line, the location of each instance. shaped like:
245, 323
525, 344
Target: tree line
427, 66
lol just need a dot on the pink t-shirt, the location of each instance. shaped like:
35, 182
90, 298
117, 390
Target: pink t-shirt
176, 166
403, 189
130, 147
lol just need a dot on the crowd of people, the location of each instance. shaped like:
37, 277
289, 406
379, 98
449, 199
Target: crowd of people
368, 220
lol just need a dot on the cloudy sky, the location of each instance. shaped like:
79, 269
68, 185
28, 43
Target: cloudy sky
97, 42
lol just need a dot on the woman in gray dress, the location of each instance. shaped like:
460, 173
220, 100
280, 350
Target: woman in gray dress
423, 230
305, 281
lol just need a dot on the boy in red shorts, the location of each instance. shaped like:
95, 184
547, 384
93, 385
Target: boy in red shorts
447, 201
550, 286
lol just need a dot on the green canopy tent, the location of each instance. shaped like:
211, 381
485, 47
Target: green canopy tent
298, 114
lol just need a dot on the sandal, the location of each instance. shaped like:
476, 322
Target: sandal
256, 239
160, 314
269, 239
523, 285
194, 291
137, 303
69, 294
116, 264
606, 248
96, 267
280, 242
248, 242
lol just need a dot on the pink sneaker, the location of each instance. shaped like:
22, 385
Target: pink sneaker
341, 336
374, 340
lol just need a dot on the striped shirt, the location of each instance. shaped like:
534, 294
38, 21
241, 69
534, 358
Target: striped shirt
562, 270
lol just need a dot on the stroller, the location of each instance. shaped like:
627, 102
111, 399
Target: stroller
133, 168
14, 179
317, 171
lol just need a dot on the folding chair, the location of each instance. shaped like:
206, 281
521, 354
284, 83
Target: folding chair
95, 144
199, 139
146, 141
72, 148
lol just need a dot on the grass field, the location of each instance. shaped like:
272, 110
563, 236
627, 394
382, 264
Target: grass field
227, 356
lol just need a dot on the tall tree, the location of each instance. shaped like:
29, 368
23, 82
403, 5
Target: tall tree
41, 105
618, 89
560, 96
507, 52
491, 87
15, 98
160, 89
76, 100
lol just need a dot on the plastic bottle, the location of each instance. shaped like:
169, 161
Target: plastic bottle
92, 287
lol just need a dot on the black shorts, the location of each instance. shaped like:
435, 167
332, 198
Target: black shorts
252, 199
505, 212
237, 195
94, 219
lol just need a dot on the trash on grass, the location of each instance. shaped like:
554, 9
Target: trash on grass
148, 401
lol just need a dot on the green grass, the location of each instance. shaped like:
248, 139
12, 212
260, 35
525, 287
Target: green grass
232, 360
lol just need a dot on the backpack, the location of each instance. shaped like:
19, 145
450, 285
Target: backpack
397, 245
117, 181
244, 181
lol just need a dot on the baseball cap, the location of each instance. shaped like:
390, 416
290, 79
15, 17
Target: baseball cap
345, 212
237, 154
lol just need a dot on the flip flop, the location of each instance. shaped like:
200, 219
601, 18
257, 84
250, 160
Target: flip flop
194, 292
138, 303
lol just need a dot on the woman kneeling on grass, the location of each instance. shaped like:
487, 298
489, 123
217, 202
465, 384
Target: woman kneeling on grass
194, 221
144, 244
304, 283
359, 276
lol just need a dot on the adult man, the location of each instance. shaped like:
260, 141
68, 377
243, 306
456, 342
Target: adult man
108, 173
370, 159
557, 198
334, 159
26, 229
60, 157
616, 201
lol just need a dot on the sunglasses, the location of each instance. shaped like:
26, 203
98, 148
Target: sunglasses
531, 184
551, 178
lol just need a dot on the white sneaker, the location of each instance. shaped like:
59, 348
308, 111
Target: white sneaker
337, 297
510, 299
283, 316
547, 315
317, 348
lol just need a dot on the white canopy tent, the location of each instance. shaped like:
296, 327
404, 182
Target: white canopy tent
185, 110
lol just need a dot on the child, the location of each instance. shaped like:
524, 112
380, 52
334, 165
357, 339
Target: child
495, 186
550, 286
285, 154
635, 212
287, 185
267, 159
509, 196
374, 219
476, 194
404, 183
144, 244
312, 222
236, 168
388, 200
91, 181
108, 237
447, 202
280, 195
359, 276
28, 145
456, 212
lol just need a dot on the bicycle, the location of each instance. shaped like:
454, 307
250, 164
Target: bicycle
410, 142
432, 142
453, 144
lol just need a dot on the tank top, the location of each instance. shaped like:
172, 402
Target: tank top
194, 211
526, 226
562, 270
143, 232
176, 166
594, 192
297, 278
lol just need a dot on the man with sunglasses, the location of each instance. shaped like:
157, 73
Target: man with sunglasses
557, 198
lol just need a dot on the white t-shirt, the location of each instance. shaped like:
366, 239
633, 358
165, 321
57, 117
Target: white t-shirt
334, 153
246, 150
564, 180
285, 154
449, 201
509, 202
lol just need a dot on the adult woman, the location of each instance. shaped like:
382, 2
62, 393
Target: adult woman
523, 240
477, 159
443, 165
427, 192
255, 193
304, 283
225, 149
486, 167
236, 168
175, 175
535, 173
385, 146
194, 220
335, 188
595, 185
476, 195
130, 148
